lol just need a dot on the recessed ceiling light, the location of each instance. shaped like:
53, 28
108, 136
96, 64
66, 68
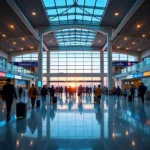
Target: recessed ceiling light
3, 35
22, 48
50, 41
12, 26
10, 49
133, 43
138, 26
14, 43
127, 48
99, 41
125, 38
118, 47
34, 13
139, 49
143, 35
31, 47
23, 39
116, 14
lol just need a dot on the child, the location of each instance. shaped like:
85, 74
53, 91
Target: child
125, 93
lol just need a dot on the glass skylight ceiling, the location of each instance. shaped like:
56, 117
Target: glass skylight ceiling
75, 37
70, 11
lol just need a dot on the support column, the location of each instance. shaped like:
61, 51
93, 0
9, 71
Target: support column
109, 57
48, 68
102, 67
40, 59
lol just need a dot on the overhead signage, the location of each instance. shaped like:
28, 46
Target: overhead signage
39, 84
2, 74
123, 63
146, 73
138, 75
8, 75
25, 64
129, 77
18, 77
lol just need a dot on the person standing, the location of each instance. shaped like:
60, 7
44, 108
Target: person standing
52, 93
142, 90
98, 93
33, 94
132, 91
8, 94
44, 93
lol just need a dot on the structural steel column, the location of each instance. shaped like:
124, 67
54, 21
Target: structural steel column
40, 59
109, 57
102, 67
48, 68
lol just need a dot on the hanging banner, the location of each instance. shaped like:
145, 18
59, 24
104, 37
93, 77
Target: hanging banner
138, 75
25, 64
123, 63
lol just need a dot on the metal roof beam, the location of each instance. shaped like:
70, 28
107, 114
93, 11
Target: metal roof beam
130, 14
18, 12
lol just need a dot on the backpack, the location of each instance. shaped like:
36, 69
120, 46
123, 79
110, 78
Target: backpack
34, 92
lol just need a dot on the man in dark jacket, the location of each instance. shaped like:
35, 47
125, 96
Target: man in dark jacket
44, 93
8, 94
141, 91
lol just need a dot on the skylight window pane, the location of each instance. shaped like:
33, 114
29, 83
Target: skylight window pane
95, 19
60, 2
98, 12
90, 2
48, 3
87, 18
78, 10
63, 18
62, 10
101, 3
89, 10
81, 2
71, 17
70, 2
72, 10
52, 12
54, 19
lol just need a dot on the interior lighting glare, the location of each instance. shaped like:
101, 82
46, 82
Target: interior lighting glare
138, 26
3, 35
118, 47
127, 48
133, 143
50, 41
31, 142
125, 38
127, 133
143, 35
31, 47
34, 13
23, 39
22, 48
133, 43
99, 41
116, 14
14, 43
17, 142
113, 135
12, 26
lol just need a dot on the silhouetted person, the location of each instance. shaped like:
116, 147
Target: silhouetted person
132, 90
44, 93
8, 94
33, 94
142, 89
20, 91
52, 93
118, 91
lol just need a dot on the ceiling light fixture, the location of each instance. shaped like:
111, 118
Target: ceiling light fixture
127, 48
50, 41
34, 13
14, 43
99, 41
31, 47
143, 35
118, 47
12, 26
116, 14
138, 26
10, 50
133, 43
139, 49
23, 39
125, 38
3, 35
22, 48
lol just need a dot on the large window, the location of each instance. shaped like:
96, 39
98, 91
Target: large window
32, 57
3, 62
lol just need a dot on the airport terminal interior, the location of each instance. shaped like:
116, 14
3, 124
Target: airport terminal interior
72, 47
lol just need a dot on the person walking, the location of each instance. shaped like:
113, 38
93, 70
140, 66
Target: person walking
43, 94
33, 94
52, 93
142, 90
132, 91
8, 94
20, 91
98, 93
118, 91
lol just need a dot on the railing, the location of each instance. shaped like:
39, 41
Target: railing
136, 66
16, 68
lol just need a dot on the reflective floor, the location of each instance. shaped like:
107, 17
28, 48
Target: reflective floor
79, 125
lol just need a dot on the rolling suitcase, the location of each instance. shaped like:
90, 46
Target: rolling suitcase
130, 98
54, 100
38, 103
21, 110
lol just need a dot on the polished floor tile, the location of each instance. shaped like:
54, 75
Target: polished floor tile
115, 124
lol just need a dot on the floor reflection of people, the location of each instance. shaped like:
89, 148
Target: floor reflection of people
9, 142
44, 111
98, 113
118, 104
21, 126
80, 107
142, 114
70, 104
32, 122
53, 109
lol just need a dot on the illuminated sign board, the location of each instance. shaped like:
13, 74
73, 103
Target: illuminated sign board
123, 63
129, 77
138, 75
146, 73
2, 74
39, 84
8, 75
18, 77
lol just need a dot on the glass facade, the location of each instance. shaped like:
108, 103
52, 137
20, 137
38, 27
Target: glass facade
3, 62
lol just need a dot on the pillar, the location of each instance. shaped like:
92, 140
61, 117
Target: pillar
102, 67
40, 58
109, 57
48, 68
